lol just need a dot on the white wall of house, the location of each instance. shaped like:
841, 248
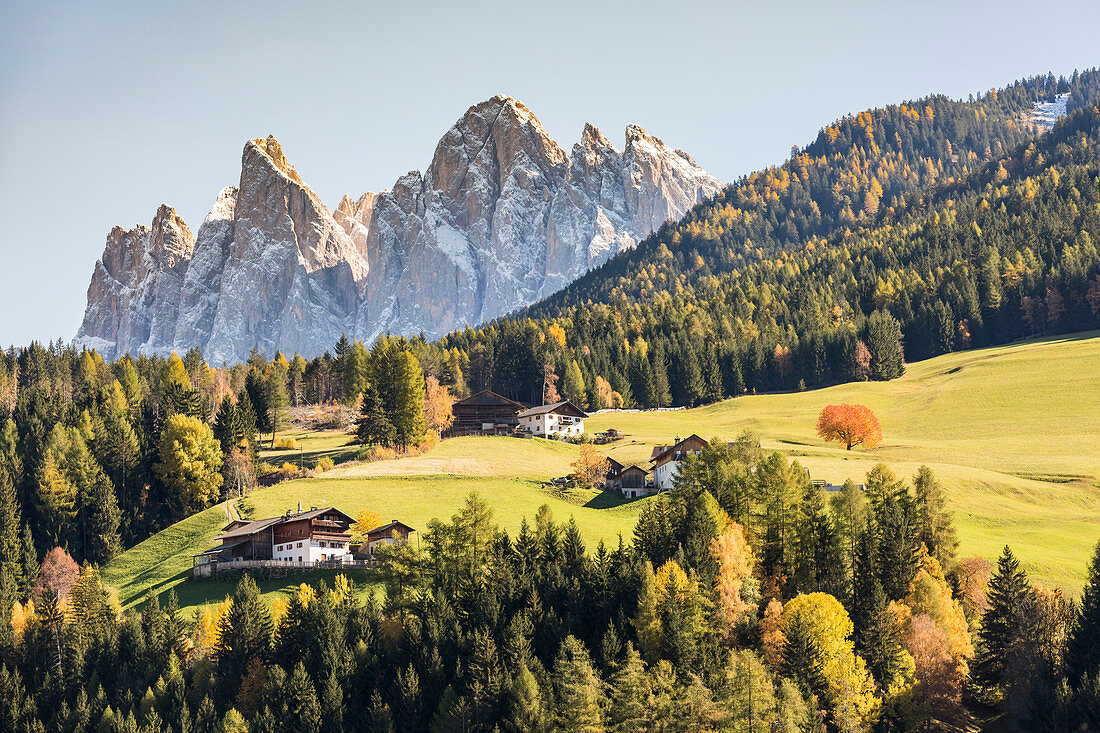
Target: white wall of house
307, 550
550, 423
664, 474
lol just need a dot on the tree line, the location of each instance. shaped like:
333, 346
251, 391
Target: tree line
747, 599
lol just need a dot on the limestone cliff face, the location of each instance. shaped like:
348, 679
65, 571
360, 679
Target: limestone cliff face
293, 277
502, 216
135, 288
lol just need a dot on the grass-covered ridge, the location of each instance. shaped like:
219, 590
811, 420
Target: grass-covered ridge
1012, 431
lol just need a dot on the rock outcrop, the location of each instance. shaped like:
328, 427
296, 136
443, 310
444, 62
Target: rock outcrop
502, 217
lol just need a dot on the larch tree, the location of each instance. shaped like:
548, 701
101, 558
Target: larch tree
190, 462
590, 468
578, 692
849, 425
437, 406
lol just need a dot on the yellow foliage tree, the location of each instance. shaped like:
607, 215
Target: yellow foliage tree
590, 468
365, 521
437, 406
735, 565
851, 688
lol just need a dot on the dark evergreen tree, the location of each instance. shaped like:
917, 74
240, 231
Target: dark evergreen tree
1002, 625
1082, 657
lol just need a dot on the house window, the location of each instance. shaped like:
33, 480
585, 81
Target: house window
324, 556
322, 545
299, 558
299, 545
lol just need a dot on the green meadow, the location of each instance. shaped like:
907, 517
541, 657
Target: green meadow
1013, 432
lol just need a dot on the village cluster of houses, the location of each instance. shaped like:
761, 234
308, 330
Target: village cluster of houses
323, 536
634, 481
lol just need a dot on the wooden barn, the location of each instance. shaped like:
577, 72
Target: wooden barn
485, 413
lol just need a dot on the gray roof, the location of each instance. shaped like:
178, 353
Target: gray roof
220, 548
250, 528
564, 406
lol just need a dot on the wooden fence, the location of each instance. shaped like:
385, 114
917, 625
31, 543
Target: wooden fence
277, 567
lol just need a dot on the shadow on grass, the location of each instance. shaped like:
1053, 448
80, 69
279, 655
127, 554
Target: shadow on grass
607, 500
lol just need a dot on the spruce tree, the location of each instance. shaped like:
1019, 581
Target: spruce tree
802, 660
226, 425
897, 546
373, 427
302, 706
1002, 626
245, 631
1082, 658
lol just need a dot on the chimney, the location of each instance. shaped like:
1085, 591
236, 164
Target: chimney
299, 506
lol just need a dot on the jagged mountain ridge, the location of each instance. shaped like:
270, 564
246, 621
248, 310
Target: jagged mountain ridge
502, 216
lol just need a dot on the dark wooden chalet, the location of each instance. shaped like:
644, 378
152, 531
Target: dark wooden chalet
486, 413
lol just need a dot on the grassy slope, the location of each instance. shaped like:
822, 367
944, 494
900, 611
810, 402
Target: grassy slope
1013, 432
508, 473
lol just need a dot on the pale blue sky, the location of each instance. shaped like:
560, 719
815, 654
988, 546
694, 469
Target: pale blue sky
109, 108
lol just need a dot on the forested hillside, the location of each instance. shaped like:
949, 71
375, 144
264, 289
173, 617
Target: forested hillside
925, 227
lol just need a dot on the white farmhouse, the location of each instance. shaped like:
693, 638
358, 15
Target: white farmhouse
561, 419
666, 460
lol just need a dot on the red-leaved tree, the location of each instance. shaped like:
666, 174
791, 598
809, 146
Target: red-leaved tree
850, 425
59, 572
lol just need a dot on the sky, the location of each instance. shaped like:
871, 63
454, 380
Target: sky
108, 109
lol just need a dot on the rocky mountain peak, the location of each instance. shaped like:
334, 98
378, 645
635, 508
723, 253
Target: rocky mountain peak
502, 216
593, 139
170, 239
270, 149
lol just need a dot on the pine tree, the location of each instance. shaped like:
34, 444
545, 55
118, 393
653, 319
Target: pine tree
802, 660
373, 427
1082, 658
1001, 625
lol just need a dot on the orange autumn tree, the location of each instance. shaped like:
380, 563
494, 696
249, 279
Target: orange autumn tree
851, 425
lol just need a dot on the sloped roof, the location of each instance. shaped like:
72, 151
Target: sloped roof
663, 450
565, 407
219, 549
250, 528
488, 398
247, 529
385, 529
